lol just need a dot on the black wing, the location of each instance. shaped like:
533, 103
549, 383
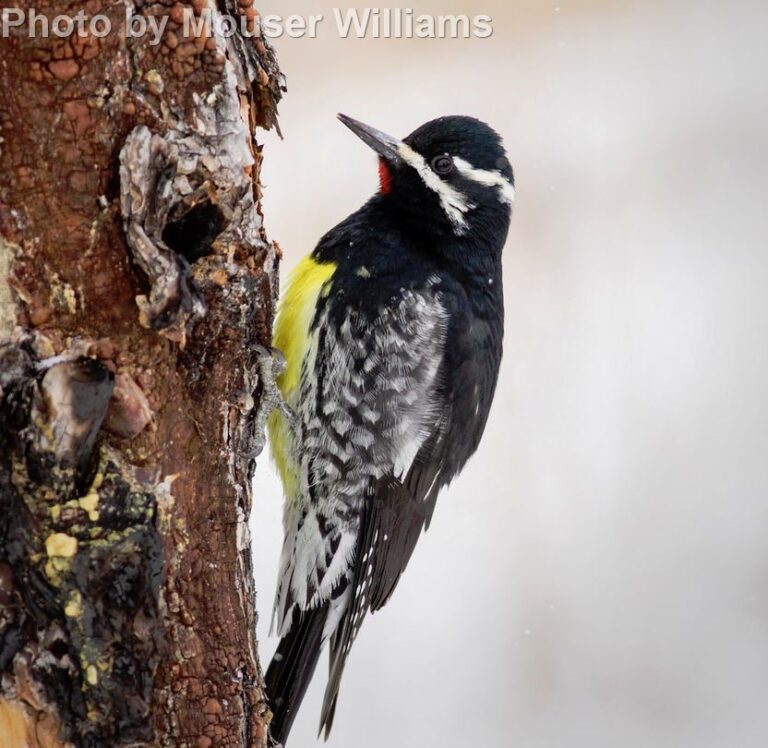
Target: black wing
398, 510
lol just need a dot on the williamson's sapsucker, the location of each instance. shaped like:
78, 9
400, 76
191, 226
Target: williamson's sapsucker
392, 333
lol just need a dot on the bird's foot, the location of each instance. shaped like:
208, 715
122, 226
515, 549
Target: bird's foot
271, 364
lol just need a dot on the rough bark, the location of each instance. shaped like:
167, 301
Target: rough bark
136, 285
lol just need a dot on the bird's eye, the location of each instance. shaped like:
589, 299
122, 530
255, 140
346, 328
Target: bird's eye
442, 164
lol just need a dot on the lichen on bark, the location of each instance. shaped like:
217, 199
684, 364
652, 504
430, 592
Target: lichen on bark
79, 537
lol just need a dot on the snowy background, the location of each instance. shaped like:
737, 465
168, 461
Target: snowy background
598, 576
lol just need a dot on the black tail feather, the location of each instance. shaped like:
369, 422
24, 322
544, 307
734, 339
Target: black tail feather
291, 669
337, 660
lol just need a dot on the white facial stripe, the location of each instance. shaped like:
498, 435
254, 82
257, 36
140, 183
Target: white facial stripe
452, 201
488, 178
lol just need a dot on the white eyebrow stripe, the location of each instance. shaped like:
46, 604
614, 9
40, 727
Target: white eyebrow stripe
453, 202
488, 178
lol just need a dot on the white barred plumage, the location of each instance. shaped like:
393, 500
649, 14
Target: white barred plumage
389, 364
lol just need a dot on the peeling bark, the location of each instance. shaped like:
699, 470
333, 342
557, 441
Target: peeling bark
136, 291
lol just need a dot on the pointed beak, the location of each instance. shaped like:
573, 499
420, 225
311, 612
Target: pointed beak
385, 145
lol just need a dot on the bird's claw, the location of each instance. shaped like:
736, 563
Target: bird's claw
271, 364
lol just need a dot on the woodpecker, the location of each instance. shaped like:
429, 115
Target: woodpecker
392, 336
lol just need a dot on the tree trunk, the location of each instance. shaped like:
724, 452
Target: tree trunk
136, 286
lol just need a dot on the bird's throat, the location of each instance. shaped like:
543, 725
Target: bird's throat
385, 177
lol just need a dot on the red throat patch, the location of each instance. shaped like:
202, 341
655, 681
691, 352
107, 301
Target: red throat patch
385, 177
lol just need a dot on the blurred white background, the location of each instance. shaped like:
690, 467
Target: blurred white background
598, 576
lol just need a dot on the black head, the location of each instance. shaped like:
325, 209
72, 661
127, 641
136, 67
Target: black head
451, 176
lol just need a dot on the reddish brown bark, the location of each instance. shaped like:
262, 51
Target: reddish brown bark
136, 284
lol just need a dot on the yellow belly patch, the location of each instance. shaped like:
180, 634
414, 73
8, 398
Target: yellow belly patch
296, 311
